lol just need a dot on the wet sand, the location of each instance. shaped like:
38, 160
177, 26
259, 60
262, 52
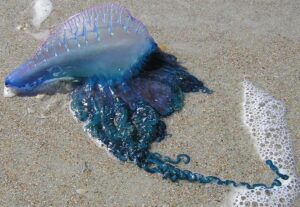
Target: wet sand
46, 159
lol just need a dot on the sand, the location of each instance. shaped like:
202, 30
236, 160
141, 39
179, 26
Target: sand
46, 158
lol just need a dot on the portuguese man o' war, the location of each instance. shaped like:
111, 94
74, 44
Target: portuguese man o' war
122, 85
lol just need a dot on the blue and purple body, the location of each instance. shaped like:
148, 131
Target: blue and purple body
122, 85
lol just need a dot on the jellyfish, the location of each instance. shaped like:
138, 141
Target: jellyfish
122, 85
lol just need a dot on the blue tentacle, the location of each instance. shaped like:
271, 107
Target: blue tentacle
155, 163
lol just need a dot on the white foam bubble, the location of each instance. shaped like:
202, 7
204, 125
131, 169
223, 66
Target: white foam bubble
284, 195
41, 10
8, 92
264, 117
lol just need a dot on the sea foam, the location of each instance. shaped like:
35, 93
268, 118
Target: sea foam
41, 10
264, 117
8, 92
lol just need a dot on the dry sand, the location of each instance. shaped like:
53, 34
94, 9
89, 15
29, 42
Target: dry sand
47, 160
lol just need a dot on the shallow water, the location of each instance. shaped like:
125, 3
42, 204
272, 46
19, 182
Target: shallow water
46, 157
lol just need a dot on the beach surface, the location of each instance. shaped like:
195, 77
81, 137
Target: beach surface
46, 159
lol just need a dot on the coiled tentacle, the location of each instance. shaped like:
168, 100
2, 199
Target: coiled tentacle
155, 163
